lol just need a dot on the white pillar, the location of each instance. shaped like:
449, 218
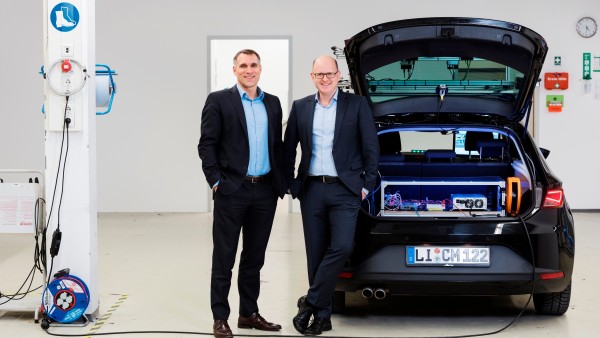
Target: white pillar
69, 34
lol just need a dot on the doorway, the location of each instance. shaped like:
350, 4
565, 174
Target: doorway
274, 54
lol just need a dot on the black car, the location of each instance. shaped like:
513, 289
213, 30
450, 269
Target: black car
466, 203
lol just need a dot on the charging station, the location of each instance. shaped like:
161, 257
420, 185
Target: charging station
70, 141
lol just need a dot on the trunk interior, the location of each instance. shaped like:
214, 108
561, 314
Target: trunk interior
450, 172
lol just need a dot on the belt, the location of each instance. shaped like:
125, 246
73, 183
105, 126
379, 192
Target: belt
255, 179
324, 179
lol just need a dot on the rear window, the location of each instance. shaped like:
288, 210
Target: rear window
468, 77
417, 142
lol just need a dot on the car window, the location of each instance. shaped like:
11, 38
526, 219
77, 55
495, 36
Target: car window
420, 141
462, 76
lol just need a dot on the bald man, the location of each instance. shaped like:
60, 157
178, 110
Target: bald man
338, 168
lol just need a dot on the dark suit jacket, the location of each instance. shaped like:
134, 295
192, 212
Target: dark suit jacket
224, 147
355, 144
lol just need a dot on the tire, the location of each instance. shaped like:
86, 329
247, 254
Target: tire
338, 302
553, 303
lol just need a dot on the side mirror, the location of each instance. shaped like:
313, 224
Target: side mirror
545, 152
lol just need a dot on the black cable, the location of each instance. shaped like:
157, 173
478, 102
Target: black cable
325, 336
56, 237
18, 295
66, 122
25, 293
151, 332
58, 169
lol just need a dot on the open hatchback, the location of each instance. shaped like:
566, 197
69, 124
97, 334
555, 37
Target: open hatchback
466, 203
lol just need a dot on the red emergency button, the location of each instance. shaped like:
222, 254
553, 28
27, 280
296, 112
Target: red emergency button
66, 66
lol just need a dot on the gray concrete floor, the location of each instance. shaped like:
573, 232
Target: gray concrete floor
157, 267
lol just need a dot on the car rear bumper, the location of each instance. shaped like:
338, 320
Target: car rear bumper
508, 274
379, 259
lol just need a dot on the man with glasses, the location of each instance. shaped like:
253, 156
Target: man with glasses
241, 151
338, 168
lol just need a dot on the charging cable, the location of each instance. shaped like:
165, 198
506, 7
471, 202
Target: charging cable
62, 163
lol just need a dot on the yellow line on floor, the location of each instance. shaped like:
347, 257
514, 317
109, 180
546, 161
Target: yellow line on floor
100, 321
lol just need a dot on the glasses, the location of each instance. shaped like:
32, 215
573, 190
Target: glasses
321, 75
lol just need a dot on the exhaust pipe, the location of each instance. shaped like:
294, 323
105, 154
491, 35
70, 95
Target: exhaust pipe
367, 292
380, 293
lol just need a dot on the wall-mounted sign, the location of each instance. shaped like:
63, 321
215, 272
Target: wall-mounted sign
64, 17
557, 60
555, 103
556, 80
587, 66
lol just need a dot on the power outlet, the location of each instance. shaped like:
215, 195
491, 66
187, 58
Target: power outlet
70, 114
66, 50
67, 82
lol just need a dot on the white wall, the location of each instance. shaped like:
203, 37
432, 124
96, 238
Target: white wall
147, 158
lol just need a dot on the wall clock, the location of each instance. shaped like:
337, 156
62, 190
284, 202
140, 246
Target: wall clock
586, 27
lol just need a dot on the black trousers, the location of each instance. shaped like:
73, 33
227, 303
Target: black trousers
329, 214
250, 210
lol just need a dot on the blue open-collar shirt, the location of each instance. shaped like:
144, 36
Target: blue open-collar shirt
322, 162
258, 132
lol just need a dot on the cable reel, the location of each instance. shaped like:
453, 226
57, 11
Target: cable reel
65, 299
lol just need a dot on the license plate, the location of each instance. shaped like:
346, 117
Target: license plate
476, 256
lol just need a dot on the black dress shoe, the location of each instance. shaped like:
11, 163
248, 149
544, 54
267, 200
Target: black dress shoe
221, 329
305, 311
258, 322
317, 326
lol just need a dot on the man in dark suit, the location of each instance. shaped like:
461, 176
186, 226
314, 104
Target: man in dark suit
241, 151
338, 168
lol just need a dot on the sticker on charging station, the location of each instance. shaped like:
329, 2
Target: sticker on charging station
64, 17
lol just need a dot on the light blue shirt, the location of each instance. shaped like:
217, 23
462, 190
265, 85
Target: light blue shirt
258, 133
321, 162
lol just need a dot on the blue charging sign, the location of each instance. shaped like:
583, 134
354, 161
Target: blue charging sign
64, 17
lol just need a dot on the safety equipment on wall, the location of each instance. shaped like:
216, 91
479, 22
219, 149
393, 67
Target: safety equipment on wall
106, 88
556, 80
69, 81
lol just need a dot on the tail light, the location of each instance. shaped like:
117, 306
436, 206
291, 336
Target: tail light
345, 275
552, 275
554, 198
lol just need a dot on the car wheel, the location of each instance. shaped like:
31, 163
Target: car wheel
339, 302
553, 303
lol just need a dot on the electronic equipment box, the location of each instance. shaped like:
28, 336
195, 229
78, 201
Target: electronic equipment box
442, 197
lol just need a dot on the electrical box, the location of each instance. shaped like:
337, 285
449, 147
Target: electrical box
18, 207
